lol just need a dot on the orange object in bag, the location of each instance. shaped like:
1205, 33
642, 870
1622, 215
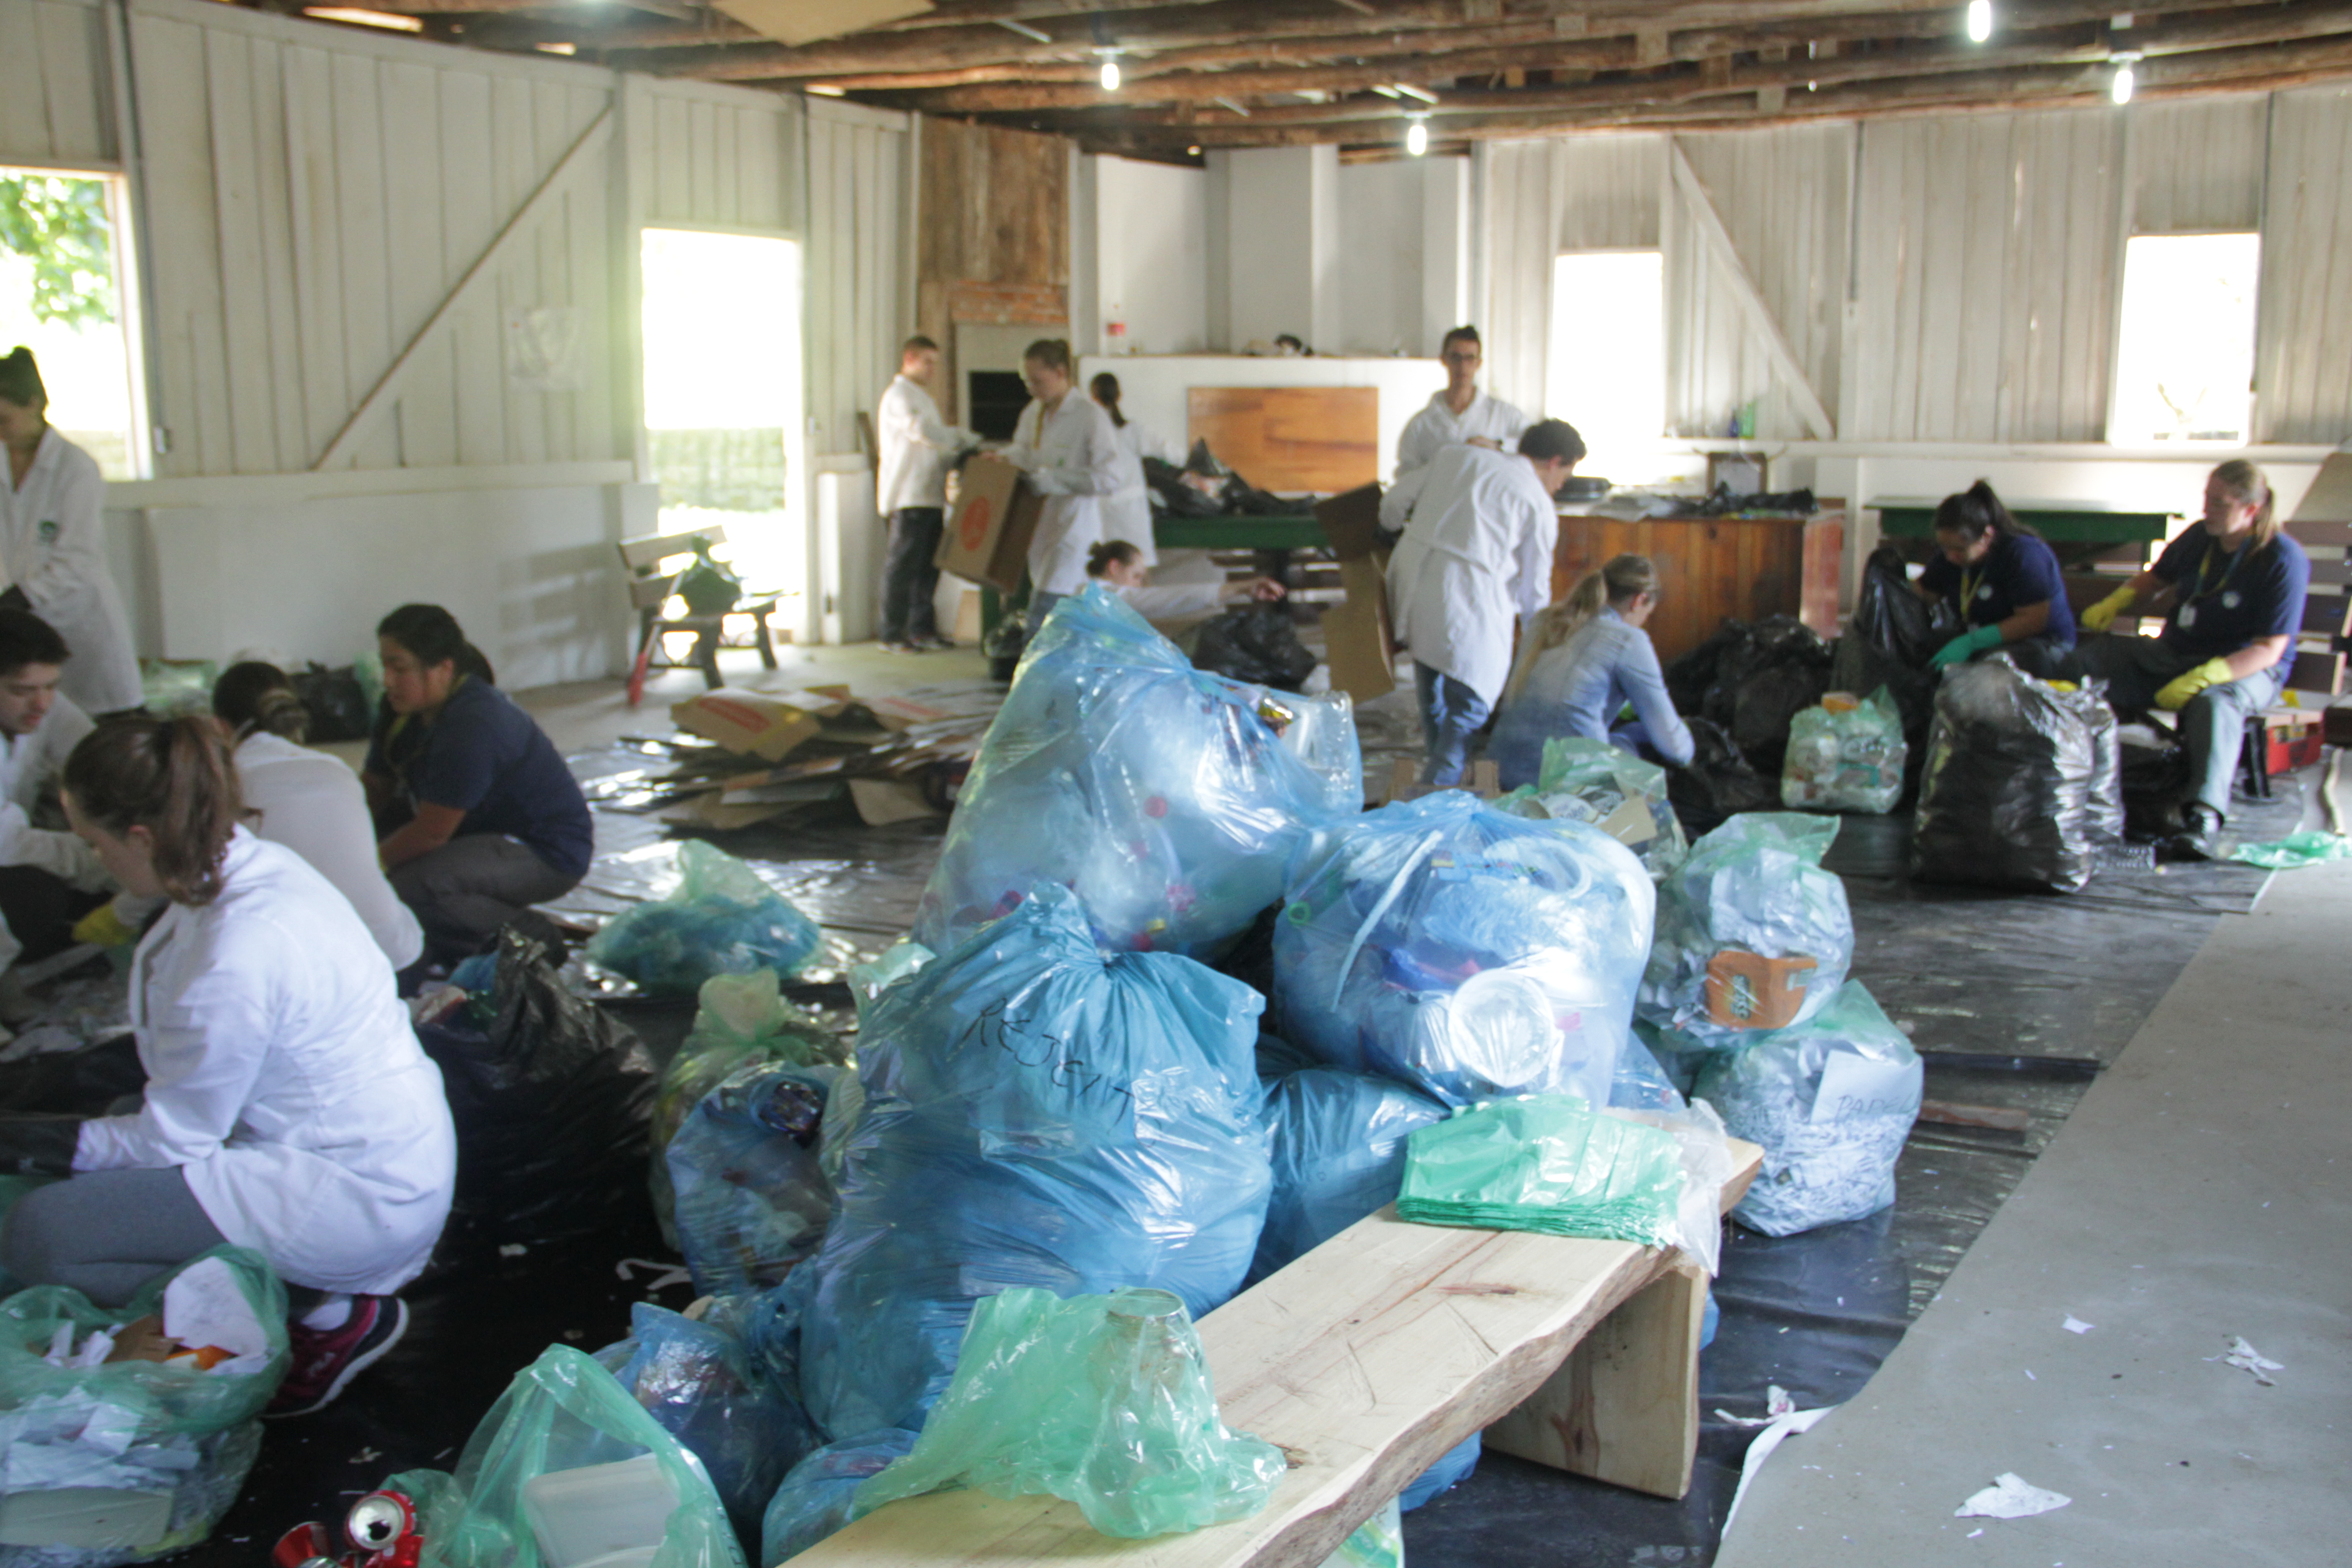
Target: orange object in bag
1747, 991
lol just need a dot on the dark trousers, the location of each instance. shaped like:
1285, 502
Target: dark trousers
908, 577
2037, 657
477, 883
40, 910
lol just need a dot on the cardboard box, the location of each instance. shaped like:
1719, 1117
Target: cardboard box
1359, 644
766, 724
988, 530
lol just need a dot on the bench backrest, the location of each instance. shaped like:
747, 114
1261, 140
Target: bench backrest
643, 556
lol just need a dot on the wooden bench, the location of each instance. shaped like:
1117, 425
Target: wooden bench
1367, 1359
654, 564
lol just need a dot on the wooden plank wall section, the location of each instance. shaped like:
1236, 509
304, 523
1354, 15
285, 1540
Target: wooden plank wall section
55, 106
995, 212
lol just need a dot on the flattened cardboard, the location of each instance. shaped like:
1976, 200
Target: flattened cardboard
1356, 636
766, 724
987, 535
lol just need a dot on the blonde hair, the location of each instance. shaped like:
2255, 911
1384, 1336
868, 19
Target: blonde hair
1621, 581
2249, 486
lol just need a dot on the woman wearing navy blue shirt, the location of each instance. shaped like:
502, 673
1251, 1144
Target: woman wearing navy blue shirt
2235, 586
2005, 583
483, 818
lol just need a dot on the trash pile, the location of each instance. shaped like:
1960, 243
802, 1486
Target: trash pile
1847, 754
2024, 786
721, 919
1584, 780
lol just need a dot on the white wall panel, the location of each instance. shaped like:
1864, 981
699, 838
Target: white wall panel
2197, 164
2303, 360
858, 252
57, 102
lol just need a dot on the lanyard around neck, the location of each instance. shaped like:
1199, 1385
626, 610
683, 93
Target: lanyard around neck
2207, 585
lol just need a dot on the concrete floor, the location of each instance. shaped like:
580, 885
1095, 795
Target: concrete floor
2202, 1190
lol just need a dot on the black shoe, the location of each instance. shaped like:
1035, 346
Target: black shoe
2201, 840
935, 643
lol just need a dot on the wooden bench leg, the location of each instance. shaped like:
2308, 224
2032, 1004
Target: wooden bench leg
1624, 1406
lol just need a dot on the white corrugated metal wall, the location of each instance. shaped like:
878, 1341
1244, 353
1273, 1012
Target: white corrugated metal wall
49, 49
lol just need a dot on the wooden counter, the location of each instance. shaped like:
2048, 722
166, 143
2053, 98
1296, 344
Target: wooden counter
1711, 567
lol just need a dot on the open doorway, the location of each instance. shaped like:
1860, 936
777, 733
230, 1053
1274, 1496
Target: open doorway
722, 399
66, 291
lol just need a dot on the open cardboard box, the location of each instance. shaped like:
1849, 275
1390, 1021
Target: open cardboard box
1356, 634
988, 530
766, 724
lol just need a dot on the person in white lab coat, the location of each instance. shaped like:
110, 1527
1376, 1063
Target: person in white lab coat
49, 880
53, 544
287, 1109
1069, 448
1461, 413
912, 493
1127, 511
1479, 526
1120, 566
309, 802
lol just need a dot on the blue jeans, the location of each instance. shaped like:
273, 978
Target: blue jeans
2213, 724
1450, 713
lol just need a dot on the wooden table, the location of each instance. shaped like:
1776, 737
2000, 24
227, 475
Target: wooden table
2076, 530
1711, 567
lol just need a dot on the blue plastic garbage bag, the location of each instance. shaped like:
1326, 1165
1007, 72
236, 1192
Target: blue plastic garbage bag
1453, 1467
751, 1199
1156, 791
1465, 951
815, 1500
701, 1381
1337, 1143
1035, 1114
720, 919
1753, 934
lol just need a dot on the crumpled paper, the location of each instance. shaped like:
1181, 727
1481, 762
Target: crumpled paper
2246, 1358
54, 1441
2010, 1497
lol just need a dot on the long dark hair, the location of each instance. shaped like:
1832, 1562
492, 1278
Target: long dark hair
1105, 388
1975, 512
433, 634
170, 776
20, 379
257, 696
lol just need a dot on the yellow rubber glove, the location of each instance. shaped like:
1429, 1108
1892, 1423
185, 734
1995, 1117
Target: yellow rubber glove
2178, 693
2101, 616
103, 928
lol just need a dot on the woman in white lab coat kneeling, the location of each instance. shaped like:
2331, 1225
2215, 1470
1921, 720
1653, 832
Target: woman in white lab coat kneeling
287, 1107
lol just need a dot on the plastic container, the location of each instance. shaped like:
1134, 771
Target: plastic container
599, 1512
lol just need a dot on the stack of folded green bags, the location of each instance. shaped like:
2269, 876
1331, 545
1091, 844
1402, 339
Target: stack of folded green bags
1545, 1163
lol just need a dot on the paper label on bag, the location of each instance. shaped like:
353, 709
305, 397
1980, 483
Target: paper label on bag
1855, 1085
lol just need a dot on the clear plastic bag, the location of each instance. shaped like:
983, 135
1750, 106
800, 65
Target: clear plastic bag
1465, 951
720, 919
752, 1197
2024, 785
1338, 1143
1846, 755
1830, 1101
1546, 1163
1584, 780
1752, 933
565, 1462
1035, 1114
1157, 793
817, 1498
184, 1436
1378, 1542
1643, 1083
1104, 1400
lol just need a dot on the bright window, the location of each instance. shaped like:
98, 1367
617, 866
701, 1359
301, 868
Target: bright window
2184, 361
62, 295
1607, 370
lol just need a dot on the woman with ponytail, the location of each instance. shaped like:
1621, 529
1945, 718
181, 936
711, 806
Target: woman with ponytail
2006, 583
308, 801
1127, 511
1581, 661
288, 1107
1069, 448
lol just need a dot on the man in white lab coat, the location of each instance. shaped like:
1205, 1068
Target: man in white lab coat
1461, 413
1479, 526
48, 878
912, 492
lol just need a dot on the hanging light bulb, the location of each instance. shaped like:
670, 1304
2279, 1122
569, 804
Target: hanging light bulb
1417, 137
1979, 20
2120, 89
1110, 76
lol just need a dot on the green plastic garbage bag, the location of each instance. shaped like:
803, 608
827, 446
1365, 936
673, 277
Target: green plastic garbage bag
1546, 1163
720, 919
174, 1441
1847, 759
1585, 780
1101, 1400
2294, 851
565, 1468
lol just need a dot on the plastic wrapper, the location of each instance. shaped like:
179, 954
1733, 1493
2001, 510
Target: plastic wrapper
566, 1414
1589, 781
1706, 1157
1717, 784
551, 1098
1156, 791
701, 1381
1546, 1163
2024, 784
1104, 1400
1035, 1114
183, 1437
1752, 933
1338, 1143
752, 1198
1831, 1103
740, 1019
1256, 644
1321, 733
1465, 951
817, 1498
2294, 851
1846, 756
720, 919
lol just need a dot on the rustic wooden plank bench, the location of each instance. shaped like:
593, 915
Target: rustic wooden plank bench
1365, 1360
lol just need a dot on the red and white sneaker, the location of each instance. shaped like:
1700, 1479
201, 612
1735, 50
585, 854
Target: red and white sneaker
326, 1360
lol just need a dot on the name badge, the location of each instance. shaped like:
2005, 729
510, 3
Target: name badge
2187, 618
2231, 601
1985, 591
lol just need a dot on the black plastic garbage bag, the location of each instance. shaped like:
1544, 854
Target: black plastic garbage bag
1689, 678
1718, 784
2154, 781
1171, 494
1889, 616
1256, 644
336, 702
552, 1100
1768, 704
2022, 786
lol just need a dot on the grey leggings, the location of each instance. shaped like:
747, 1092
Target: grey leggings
105, 1233
464, 890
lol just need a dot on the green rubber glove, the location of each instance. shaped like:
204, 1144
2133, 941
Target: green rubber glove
2101, 616
2183, 689
1964, 646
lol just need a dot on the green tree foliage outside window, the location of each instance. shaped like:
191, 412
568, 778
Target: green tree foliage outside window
62, 227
